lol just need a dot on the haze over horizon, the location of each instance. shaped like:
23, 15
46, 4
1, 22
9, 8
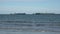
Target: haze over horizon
29, 6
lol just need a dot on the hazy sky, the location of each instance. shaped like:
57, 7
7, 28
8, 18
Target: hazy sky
29, 6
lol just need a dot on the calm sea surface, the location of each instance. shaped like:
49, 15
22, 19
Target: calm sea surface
29, 24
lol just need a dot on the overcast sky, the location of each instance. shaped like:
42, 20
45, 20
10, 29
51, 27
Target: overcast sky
29, 6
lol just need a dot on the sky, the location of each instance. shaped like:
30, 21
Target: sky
29, 6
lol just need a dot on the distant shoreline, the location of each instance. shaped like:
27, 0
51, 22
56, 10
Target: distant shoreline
31, 14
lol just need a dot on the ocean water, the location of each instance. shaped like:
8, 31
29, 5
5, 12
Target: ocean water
29, 24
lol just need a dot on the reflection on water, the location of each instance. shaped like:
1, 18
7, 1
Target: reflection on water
7, 32
33, 26
35, 23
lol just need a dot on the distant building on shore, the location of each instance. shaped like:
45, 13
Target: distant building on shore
43, 13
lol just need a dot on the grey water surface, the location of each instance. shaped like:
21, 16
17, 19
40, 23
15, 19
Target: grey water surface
30, 24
